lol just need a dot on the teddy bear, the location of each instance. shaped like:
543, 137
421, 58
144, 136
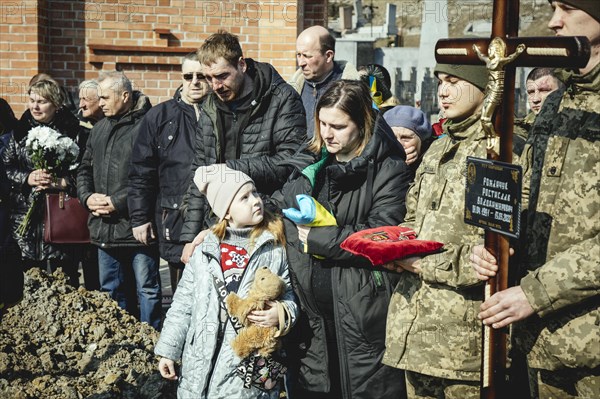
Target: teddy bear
267, 286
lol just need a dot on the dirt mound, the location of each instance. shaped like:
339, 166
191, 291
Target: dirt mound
64, 343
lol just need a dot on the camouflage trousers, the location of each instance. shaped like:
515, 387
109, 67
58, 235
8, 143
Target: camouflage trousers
565, 383
421, 386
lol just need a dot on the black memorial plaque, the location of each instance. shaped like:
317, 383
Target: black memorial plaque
493, 196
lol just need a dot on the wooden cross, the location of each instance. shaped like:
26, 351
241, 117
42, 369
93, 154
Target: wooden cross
502, 54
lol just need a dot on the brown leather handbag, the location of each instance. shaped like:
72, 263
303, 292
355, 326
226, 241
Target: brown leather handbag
65, 220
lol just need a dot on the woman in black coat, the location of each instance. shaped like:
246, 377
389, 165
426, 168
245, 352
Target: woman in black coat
354, 167
44, 109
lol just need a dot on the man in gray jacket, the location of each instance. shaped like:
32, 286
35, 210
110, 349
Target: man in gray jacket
102, 186
253, 121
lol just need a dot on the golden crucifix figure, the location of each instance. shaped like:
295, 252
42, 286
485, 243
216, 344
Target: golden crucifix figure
495, 62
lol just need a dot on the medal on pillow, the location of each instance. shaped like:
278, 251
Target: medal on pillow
385, 244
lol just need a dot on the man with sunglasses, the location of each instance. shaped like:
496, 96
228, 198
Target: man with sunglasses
253, 121
161, 166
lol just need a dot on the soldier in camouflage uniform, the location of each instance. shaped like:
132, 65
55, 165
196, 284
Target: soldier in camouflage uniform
432, 329
540, 83
558, 299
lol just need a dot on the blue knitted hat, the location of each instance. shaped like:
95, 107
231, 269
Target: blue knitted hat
410, 118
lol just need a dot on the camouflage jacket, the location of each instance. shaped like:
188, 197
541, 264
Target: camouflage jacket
521, 131
432, 325
562, 156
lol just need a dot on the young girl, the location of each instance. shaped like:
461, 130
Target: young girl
196, 330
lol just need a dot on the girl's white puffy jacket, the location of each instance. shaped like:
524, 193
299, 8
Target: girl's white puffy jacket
192, 324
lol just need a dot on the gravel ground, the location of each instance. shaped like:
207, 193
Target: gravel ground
67, 343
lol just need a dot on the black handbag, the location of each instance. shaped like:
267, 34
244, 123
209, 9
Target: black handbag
262, 372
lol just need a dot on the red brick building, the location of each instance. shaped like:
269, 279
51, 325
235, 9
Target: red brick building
75, 40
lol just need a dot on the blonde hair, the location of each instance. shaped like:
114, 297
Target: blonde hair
271, 223
221, 44
48, 89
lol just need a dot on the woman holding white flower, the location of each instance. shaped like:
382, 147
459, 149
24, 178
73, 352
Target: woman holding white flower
37, 128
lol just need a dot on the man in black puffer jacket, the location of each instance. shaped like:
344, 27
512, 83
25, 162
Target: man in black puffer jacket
102, 185
161, 164
253, 121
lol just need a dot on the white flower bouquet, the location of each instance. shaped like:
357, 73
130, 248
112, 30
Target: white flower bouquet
51, 151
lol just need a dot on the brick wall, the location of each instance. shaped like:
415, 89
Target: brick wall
66, 39
315, 13
21, 38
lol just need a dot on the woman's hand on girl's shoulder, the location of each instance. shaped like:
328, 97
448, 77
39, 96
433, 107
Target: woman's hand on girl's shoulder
188, 249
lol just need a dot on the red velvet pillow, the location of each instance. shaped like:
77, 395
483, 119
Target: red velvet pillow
387, 243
